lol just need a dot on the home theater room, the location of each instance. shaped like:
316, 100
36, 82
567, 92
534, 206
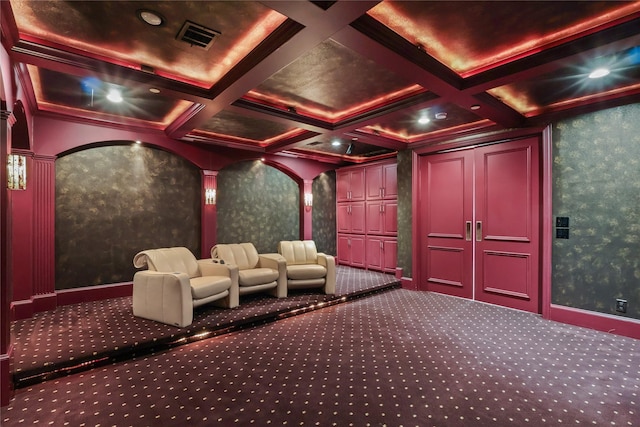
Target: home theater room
320, 213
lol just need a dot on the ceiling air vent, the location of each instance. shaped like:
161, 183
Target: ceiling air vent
197, 35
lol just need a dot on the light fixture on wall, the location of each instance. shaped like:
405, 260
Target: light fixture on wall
210, 196
17, 172
308, 200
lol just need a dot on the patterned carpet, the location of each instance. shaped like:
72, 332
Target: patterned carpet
395, 358
74, 338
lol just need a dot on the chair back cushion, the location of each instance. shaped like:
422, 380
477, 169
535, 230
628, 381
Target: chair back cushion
298, 251
168, 260
244, 255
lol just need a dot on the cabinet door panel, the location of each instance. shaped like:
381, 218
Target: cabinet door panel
390, 218
390, 181
358, 216
374, 253
342, 186
357, 185
374, 182
358, 252
389, 255
344, 218
344, 250
374, 218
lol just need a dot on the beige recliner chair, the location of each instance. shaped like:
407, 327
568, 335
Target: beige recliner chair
256, 272
176, 282
308, 268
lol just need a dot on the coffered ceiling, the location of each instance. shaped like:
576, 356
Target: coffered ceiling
342, 82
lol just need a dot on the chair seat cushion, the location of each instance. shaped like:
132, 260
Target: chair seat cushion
203, 287
306, 271
257, 276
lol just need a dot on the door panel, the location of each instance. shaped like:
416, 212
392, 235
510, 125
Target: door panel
507, 200
507, 274
446, 183
506, 177
479, 223
446, 266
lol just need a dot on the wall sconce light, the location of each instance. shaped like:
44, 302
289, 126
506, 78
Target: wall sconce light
17, 172
210, 196
308, 200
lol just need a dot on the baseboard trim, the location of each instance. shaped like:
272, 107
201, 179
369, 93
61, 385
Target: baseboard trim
25, 309
22, 309
617, 325
407, 283
94, 293
44, 302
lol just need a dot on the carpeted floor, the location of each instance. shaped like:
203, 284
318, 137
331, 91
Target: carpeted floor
77, 337
395, 358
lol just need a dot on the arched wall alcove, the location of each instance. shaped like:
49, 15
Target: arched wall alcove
115, 199
257, 203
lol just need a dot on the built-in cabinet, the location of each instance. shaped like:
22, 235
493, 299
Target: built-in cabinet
350, 186
367, 216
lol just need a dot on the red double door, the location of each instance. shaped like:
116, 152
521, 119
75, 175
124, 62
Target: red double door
480, 224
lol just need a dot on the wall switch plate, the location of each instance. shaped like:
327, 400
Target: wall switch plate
621, 305
562, 233
562, 221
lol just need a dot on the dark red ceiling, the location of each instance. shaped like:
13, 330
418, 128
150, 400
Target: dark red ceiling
341, 81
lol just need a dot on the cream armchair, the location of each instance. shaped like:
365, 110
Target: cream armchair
308, 268
176, 282
256, 272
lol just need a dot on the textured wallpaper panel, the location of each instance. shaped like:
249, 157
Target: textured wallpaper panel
405, 232
259, 204
596, 183
114, 201
324, 212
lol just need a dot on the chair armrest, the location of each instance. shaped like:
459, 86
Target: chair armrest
276, 262
210, 268
329, 262
163, 297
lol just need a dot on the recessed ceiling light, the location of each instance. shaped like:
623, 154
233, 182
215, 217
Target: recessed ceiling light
423, 120
335, 142
154, 90
475, 107
150, 17
114, 95
441, 116
599, 72
138, 142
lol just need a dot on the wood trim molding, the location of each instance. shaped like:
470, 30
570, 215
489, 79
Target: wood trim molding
25, 309
617, 325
